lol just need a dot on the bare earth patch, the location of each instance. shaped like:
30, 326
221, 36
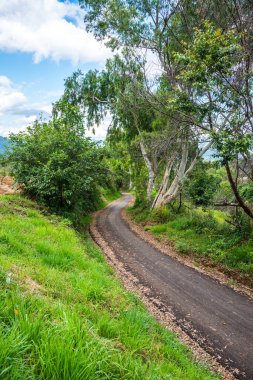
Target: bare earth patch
7, 186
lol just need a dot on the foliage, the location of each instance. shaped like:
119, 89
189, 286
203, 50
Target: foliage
56, 164
202, 186
65, 316
247, 191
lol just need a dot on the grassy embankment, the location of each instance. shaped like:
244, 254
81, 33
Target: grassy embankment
108, 195
63, 313
205, 236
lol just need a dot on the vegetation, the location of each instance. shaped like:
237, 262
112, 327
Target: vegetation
198, 103
205, 236
64, 315
200, 97
181, 139
56, 164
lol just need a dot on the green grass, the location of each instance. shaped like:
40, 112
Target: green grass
65, 316
109, 195
4, 171
203, 234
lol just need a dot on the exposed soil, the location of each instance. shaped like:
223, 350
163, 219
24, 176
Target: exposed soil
214, 319
7, 186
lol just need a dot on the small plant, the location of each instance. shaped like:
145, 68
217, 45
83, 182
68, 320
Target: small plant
161, 214
182, 248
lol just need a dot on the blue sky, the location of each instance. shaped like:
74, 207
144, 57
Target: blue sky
41, 43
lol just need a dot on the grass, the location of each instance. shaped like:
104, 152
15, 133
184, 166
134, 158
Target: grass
65, 316
203, 234
108, 195
4, 171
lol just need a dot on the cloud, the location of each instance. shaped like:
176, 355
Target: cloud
15, 125
17, 112
10, 97
15, 109
99, 132
48, 29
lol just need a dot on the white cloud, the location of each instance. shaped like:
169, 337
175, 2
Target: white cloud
43, 27
10, 97
100, 132
16, 111
15, 125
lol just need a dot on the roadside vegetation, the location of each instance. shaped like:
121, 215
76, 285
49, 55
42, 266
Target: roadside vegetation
65, 316
179, 90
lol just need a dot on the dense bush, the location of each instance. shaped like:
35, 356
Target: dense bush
56, 164
247, 191
202, 186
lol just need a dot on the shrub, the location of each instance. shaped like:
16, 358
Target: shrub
202, 186
56, 164
161, 214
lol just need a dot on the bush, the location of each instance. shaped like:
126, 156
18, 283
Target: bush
161, 214
56, 164
246, 191
202, 186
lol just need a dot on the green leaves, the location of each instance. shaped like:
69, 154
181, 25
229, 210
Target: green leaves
209, 57
230, 143
55, 163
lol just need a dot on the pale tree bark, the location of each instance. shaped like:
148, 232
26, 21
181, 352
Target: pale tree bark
149, 166
168, 194
164, 183
173, 189
151, 174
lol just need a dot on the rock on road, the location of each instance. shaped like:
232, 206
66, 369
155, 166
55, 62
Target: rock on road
219, 314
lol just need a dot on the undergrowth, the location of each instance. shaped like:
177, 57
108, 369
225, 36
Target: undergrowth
65, 316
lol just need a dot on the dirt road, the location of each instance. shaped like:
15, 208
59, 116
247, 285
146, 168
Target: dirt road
221, 318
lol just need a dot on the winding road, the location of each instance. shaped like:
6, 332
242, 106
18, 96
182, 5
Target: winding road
222, 317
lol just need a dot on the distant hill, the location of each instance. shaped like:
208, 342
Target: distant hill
3, 143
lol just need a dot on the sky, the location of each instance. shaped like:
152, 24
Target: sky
42, 42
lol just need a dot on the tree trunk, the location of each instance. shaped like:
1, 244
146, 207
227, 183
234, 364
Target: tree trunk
170, 194
151, 174
164, 183
238, 197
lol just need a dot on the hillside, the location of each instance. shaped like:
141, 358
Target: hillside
65, 316
3, 143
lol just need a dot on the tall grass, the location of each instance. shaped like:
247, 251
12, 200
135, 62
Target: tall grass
64, 315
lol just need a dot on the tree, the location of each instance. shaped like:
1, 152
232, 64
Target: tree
55, 163
218, 66
204, 53
157, 27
